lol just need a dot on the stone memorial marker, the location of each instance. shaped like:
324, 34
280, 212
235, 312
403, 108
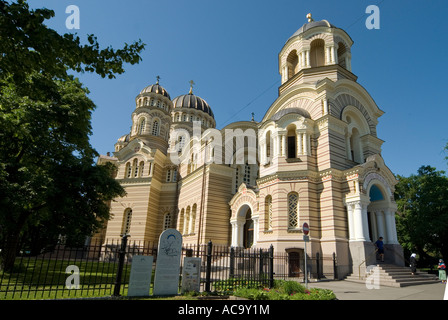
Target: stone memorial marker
140, 278
166, 280
191, 274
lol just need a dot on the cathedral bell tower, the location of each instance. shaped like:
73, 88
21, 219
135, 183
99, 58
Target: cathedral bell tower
315, 51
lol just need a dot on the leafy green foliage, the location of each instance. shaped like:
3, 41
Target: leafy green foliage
422, 217
49, 182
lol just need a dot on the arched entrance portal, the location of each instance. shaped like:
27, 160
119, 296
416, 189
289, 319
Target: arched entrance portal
380, 215
244, 227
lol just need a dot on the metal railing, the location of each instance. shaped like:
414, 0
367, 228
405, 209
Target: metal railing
103, 269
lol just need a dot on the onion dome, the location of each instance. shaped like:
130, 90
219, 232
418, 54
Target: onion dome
312, 24
156, 88
192, 101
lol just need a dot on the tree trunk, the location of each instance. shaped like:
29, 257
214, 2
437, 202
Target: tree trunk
10, 252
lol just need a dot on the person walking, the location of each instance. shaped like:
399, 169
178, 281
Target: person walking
379, 244
413, 265
442, 271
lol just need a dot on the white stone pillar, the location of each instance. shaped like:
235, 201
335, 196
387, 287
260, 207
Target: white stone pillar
380, 225
305, 143
327, 56
351, 222
357, 219
390, 227
278, 145
234, 242
256, 228
308, 58
325, 106
334, 58
284, 145
299, 144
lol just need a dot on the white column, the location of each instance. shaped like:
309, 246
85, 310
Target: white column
284, 145
256, 227
351, 222
357, 219
327, 56
380, 225
234, 233
373, 225
333, 55
325, 106
279, 145
308, 58
390, 227
299, 144
305, 143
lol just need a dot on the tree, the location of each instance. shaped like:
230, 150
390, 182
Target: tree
48, 176
422, 220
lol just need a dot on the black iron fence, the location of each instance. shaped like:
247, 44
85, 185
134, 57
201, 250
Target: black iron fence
103, 269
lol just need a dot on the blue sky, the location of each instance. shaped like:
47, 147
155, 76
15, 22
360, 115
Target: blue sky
230, 49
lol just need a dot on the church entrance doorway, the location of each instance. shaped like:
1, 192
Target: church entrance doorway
248, 238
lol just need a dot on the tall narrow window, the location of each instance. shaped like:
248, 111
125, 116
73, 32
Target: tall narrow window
135, 168
168, 175
193, 218
292, 142
293, 210
246, 178
268, 146
167, 221
155, 128
268, 213
128, 170
142, 126
141, 167
174, 178
126, 228
237, 178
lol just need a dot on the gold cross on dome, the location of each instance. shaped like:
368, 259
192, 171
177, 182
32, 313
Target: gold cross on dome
191, 86
309, 17
158, 78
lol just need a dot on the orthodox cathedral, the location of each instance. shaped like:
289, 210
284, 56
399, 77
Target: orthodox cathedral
317, 160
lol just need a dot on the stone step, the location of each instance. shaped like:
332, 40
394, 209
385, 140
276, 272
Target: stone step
395, 276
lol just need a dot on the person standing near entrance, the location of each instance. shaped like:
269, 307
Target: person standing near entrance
379, 244
442, 271
413, 265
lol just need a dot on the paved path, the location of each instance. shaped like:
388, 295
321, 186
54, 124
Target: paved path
346, 290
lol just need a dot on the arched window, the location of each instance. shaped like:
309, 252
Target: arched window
146, 102
155, 128
135, 168
174, 178
237, 178
128, 170
293, 210
182, 221
187, 221
168, 175
127, 217
292, 63
268, 146
246, 178
141, 167
355, 146
181, 143
317, 53
167, 221
268, 213
192, 219
142, 126
292, 142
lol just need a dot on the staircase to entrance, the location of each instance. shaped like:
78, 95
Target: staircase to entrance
393, 276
